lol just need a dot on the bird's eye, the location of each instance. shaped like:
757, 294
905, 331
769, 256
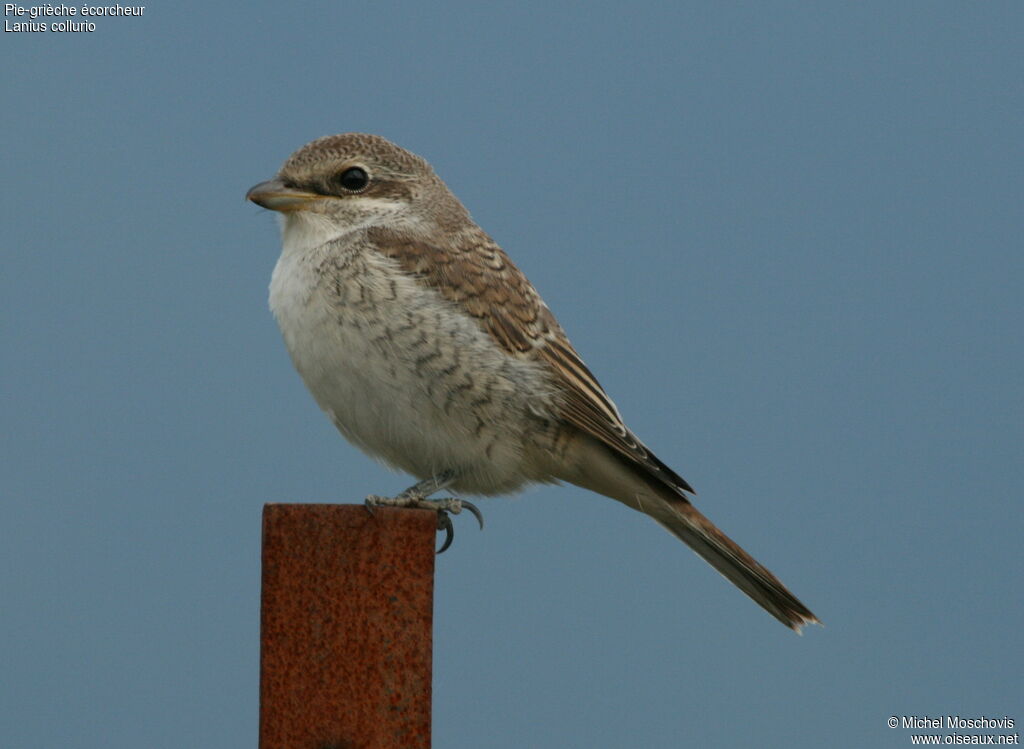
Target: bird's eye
354, 179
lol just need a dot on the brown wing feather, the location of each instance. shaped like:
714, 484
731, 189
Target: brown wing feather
476, 274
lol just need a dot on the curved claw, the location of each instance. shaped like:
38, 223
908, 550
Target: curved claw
476, 512
412, 497
445, 522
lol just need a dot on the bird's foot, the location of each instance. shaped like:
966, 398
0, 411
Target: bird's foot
442, 507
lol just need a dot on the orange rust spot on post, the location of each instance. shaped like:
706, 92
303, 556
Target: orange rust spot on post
345, 636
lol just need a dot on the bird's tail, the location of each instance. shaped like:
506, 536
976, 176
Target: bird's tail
685, 522
653, 489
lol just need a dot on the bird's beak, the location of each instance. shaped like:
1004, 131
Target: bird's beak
277, 196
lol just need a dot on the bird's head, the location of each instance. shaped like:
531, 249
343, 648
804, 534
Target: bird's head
343, 183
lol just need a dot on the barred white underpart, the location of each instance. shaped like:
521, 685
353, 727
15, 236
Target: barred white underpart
410, 383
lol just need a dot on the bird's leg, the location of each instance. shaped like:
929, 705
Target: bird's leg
416, 496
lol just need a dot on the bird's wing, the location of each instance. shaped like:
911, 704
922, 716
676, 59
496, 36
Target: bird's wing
476, 274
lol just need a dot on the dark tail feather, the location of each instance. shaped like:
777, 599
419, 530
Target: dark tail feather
725, 555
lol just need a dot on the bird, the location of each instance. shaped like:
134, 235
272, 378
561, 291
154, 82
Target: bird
431, 351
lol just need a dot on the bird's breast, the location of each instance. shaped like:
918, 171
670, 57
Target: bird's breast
406, 375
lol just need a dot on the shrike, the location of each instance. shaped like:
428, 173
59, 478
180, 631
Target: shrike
432, 352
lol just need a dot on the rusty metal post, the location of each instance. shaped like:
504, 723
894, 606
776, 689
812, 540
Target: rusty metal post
345, 635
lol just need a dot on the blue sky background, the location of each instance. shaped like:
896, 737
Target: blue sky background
786, 237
